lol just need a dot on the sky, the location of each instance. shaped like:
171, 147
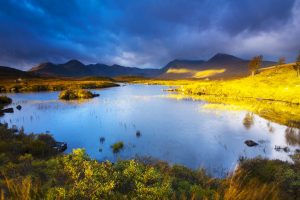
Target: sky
145, 33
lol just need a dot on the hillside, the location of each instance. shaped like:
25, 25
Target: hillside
74, 68
11, 73
219, 66
272, 94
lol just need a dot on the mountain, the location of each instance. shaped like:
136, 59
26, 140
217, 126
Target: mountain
74, 68
12, 73
219, 66
118, 70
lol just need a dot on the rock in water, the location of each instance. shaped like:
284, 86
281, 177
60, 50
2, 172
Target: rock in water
7, 110
19, 107
60, 146
250, 143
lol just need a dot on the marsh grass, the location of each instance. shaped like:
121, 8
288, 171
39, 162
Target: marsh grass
117, 147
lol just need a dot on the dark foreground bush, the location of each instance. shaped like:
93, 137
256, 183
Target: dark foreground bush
4, 100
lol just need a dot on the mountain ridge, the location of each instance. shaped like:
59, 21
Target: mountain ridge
218, 66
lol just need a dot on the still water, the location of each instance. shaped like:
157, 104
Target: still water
176, 131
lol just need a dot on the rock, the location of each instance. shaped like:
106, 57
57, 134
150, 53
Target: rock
7, 110
286, 149
60, 146
19, 107
138, 134
170, 90
250, 143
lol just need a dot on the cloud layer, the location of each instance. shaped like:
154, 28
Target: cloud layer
145, 33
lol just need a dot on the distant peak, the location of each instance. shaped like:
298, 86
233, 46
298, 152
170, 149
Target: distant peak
223, 57
74, 62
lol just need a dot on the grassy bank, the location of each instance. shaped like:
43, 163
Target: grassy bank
37, 85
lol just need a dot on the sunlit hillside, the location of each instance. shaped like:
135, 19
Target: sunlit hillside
277, 83
273, 93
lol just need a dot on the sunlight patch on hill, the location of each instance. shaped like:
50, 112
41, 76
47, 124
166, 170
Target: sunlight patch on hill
179, 71
208, 73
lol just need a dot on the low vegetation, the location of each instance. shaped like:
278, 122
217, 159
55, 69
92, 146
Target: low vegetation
72, 94
117, 147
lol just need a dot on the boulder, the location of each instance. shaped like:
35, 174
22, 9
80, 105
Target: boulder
60, 146
250, 143
19, 107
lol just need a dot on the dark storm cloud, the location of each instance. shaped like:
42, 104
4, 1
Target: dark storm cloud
145, 33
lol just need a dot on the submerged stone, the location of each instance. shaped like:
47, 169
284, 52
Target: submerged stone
250, 143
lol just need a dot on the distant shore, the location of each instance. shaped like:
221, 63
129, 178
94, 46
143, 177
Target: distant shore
39, 85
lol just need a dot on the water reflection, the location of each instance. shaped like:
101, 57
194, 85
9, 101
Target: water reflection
292, 136
152, 125
270, 127
248, 120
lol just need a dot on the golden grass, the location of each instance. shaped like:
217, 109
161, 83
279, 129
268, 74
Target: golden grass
251, 190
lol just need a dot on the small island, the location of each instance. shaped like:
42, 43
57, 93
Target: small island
73, 94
